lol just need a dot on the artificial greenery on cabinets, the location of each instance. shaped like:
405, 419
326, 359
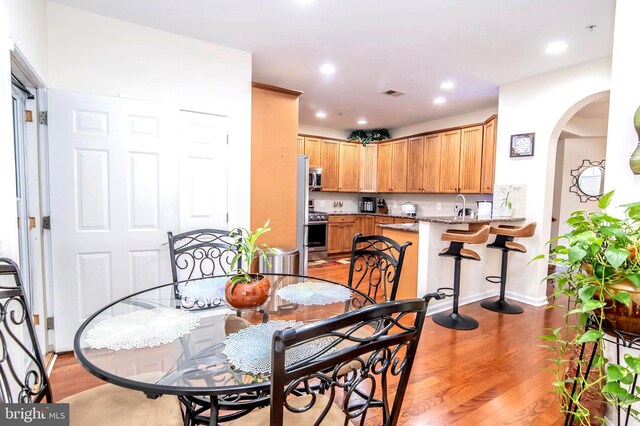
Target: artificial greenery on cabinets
364, 138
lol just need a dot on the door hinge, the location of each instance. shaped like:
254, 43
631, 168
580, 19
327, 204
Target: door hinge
50, 323
44, 118
227, 139
46, 222
227, 217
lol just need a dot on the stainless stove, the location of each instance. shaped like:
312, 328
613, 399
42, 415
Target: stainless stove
317, 235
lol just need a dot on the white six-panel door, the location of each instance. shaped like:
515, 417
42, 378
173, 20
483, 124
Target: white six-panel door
114, 195
123, 172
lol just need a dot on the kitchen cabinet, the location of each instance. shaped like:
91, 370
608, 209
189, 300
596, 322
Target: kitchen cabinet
489, 155
341, 230
423, 164
348, 167
431, 160
402, 220
381, 220
368, 170
392, 166
330, 165
470, 159
300, 145
415, 164
313, 150
450, 162
368, 225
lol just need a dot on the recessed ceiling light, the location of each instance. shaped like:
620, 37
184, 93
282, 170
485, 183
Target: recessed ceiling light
439, 100
446, 85
327, 69
321, 114
362, 121
556, 47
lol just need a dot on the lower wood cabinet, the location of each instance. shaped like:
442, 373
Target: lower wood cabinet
382, 220
341, 230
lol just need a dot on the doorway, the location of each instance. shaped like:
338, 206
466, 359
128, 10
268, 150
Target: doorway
580, 168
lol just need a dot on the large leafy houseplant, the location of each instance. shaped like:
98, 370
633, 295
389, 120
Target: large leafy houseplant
598, 255
245, 289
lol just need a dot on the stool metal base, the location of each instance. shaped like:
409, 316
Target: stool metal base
455, 321
501, 306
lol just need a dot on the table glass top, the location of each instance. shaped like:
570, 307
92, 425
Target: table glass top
195, 363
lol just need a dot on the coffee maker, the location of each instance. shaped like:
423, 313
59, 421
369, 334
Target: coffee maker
368, 205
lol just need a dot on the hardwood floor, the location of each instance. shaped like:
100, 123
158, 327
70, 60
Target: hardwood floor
489, 376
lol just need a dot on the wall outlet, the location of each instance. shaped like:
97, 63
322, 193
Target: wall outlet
321, 203
438, 206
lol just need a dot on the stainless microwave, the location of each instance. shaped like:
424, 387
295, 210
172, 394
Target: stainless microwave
315, 178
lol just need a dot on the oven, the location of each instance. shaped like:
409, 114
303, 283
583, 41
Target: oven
317, 232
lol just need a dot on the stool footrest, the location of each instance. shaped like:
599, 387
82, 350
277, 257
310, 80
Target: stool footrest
494, 279
446, 291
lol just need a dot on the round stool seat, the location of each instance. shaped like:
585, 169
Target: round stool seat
466, 237
524, 231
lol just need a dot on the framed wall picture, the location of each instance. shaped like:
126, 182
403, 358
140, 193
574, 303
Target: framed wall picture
522, 145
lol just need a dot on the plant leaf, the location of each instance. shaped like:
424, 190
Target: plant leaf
576, 254
590, 336
605, 200
635, 279
622, 297
615, 372
615, 389
591, 305
633, 362
616, 256
586, 293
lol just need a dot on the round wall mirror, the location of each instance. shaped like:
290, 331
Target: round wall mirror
588, 180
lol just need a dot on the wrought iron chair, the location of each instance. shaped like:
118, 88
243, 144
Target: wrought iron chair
380, 365
200, 253
104, 405
376, 264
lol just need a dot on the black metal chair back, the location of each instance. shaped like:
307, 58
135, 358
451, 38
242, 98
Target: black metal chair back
378, 363
200, 253
376, 264
19, 344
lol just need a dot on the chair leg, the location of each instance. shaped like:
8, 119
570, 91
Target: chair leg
501, 305
455, 320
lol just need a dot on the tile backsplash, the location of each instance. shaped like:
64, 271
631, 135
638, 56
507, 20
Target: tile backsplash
428, 204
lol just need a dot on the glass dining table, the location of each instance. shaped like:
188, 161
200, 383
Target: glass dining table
194, 365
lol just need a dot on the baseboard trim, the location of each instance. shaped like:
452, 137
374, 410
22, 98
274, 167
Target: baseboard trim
533, 301
445, 305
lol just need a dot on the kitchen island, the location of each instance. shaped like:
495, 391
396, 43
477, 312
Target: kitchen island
424, 271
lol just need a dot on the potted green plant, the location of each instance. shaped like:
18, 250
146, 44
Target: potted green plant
360, 136
598, 273
244, 289
506, 197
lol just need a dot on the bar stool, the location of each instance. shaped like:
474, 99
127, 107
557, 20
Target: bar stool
504, 241
456, 250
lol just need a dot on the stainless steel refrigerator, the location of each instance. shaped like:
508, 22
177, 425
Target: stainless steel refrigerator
302, 212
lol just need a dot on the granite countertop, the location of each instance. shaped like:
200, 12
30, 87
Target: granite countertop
449, 220
407, 227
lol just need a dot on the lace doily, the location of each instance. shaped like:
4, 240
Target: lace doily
314, 293
144, 328
201, 294
250, 348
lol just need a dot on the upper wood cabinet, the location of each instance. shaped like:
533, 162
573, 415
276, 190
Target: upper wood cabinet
330, 165
300, 145
399, 167
450, 161
489, 155
385, 155
348, 167
431, 160
423, 163
368, 181
313, 150
415, 164
470, 159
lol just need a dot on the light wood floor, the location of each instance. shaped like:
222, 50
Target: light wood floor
489, 376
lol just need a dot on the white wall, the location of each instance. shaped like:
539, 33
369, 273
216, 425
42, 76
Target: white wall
93, 54
22, 21
542, 104
444, 123
625, 99
576, 150
307, 129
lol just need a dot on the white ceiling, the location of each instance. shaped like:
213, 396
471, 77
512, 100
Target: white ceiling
375, 45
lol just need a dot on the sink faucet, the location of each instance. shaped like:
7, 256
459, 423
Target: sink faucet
464, 206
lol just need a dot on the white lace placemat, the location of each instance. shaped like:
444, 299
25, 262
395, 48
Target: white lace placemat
314, 293
144, 328
250, 348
